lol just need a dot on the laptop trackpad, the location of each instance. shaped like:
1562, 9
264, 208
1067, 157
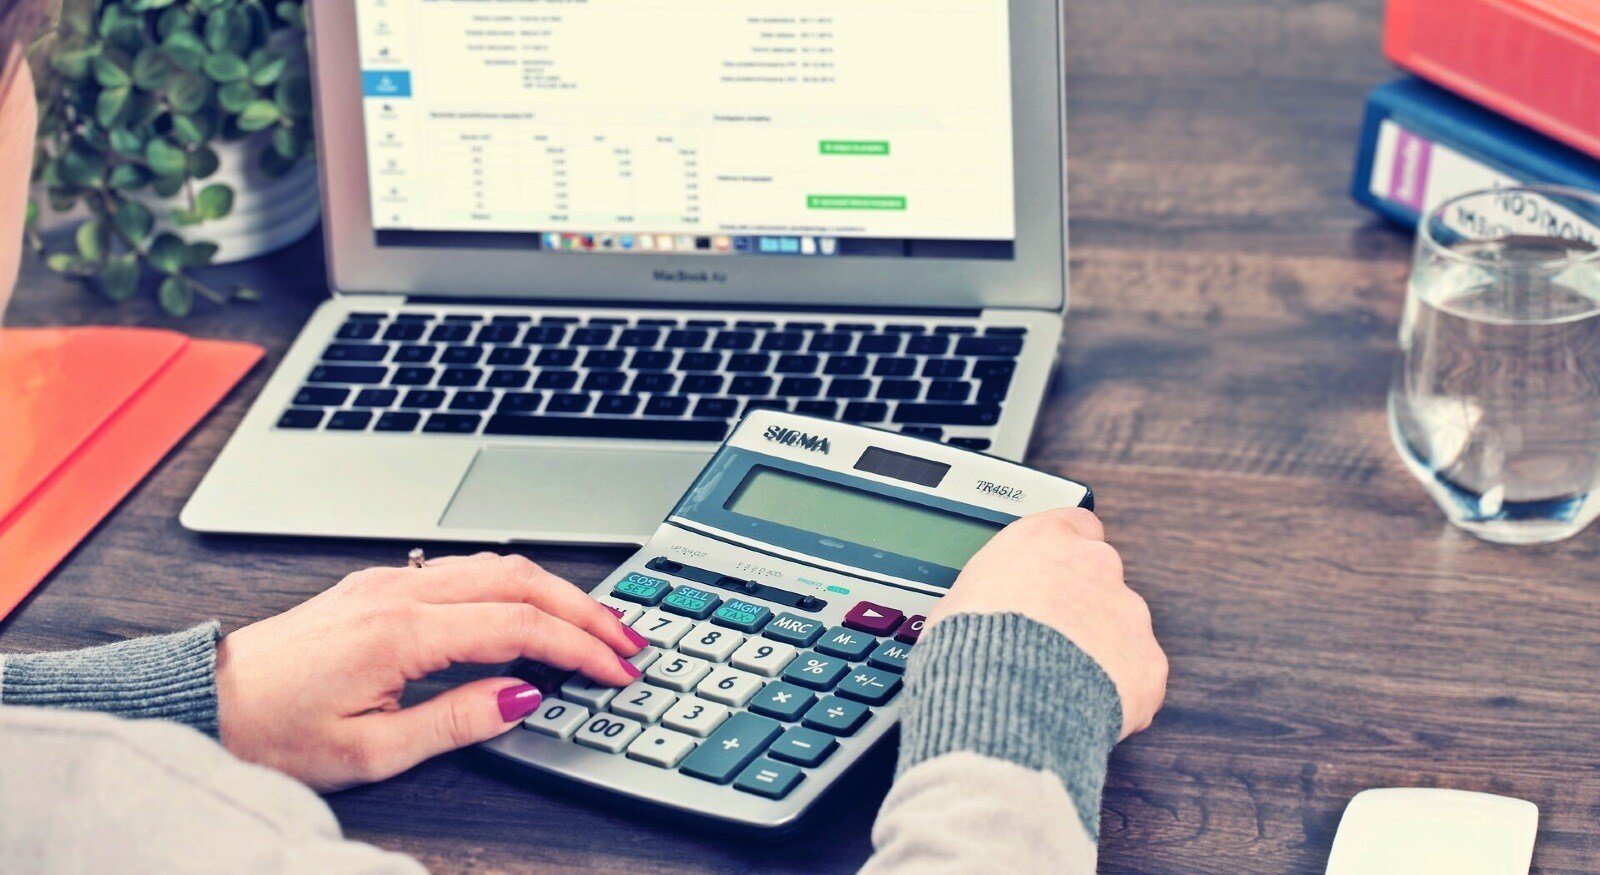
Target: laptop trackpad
571, 495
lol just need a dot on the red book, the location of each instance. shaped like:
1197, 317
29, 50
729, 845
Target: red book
1536, 61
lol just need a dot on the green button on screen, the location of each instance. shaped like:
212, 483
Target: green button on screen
853, 147
855, 202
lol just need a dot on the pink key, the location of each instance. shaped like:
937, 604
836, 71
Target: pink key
911, 631
873, 619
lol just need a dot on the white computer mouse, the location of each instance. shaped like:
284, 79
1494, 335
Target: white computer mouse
1422, 830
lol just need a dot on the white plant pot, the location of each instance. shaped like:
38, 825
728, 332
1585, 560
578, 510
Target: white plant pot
268, 213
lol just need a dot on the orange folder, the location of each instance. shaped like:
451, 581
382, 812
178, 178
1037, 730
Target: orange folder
85, 414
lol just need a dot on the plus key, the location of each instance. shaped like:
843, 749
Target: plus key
873, 619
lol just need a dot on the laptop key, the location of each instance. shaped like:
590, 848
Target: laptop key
296, 418
497, 333
449, 333
830, 342
508, 356
766, 404
701, 384
970, 443
928, 344
751, 362
700, 361
375, 398
520, 402
993, 390
782, 341
617, 405
1004, 345
604, 359
397, 420
666, 405
604, 381
846, 366
461, 355
879, 343
639, 338
556, 358
899, 390
353, 374
716, 408
800, 387
591, 337
413, 376
750, 386
567, 402
949, 390
944, 369
355, 352
947, 414
824, 409
580, 426
506, 378
415, 354
651, 360
544, 335
849, 388
653, 382
349, 420
423, 399
404, 331
693, 338
556, 380
796, 364
865, 411
734, 340
461, 377
452, 423
471, 400
320, 396
894, 367
357, 329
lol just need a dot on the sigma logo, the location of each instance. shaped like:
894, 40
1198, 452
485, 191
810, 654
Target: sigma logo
794, 438
1010, 493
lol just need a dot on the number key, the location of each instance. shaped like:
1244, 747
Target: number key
587, 693
695, 716
846, 644
710, 642
662, 629
811, 669
556, 718
642, 702
765, 658
677, 672
608, 733
729, 686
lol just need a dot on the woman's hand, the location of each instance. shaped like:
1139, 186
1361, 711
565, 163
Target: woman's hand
1057, 568
315, 692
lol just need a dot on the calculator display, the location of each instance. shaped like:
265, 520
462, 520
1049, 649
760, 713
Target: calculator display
875, 521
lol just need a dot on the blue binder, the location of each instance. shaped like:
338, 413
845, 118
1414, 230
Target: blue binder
1437, 145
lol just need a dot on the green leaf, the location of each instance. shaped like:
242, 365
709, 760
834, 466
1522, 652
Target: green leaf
214, 201
91, 240
266, 66
127, 142
32, 216
61, 262
202, 162
189, 92
119, 277
227, 29
208, 5
200, 254
127, 35
257, 115
109, 17
287, 142
134, 221
81, 166
186, 132
185, 218
167, 186
186, 50
167, 253
235, 96
288, 13
72, 63
176, 296
109, 105
127, 177
226, 67
152, 68
109, 74
165, 159
293, 94
247, 293
146, 5
175, 20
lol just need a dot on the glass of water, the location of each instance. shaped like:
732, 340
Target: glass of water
1495, 405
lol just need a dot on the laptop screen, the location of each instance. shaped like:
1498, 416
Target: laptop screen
804, 128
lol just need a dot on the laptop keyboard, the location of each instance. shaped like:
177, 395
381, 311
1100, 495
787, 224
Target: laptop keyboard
539, 375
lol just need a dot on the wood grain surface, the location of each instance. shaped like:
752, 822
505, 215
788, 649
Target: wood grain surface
1230, 343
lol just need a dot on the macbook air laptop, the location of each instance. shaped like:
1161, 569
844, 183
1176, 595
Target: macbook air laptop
571, 243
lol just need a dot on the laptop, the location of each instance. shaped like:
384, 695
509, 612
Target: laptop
571, 244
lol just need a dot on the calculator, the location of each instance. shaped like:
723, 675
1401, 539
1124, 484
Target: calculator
781, 598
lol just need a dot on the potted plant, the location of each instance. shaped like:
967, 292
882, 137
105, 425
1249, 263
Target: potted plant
182, 128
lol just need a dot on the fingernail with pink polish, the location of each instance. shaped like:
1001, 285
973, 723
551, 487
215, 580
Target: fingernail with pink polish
635, 637
518, 702
628, 667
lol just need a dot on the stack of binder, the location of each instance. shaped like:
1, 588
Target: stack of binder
1508, 94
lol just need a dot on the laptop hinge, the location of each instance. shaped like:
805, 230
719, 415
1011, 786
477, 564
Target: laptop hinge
591, 304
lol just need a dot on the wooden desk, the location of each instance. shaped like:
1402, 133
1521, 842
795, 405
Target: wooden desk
1230, 344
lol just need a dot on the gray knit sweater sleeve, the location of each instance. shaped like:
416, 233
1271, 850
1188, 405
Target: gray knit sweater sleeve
168, 677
